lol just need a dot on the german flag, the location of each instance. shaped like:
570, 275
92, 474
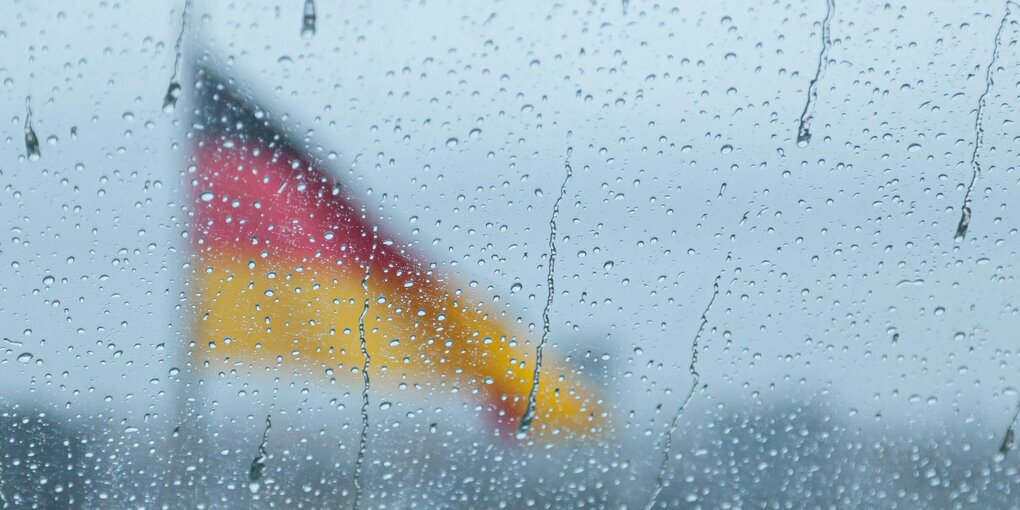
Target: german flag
289, 268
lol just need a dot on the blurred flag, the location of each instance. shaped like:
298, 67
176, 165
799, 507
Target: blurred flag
283, 254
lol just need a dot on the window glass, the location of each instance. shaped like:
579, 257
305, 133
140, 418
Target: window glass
526, 254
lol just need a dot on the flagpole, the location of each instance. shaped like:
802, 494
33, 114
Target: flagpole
183, 437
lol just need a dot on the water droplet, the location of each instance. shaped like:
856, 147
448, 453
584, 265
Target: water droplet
961, 228
31, 141
170, 100
207, 196
32, 144
1007, 442
25, 357
803, 138
308, 21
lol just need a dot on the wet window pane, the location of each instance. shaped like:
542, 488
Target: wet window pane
451, 254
